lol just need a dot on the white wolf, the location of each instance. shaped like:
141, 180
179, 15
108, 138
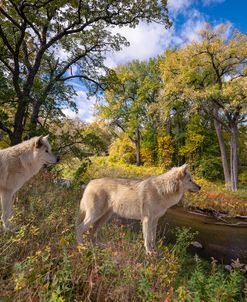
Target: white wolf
145, 200
17, 165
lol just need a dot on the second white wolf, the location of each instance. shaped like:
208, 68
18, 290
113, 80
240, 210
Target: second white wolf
145, 200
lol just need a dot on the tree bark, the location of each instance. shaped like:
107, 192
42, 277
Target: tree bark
234, 157
227, 177
138, 147
16, 136
34, 117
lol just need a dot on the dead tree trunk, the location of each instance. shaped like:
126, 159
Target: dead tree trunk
234, 157
219, 133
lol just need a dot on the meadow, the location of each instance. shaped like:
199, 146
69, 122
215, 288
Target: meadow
40, 261
132, 117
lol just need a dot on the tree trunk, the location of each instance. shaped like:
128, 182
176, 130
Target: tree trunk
138, 147
34, 117
16, 136
169, 126
1, 135
227, 177
234, 157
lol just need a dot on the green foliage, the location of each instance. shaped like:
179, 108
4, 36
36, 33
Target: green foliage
213, 285
243, 177
208, 76
209, 168
122, 150
127, 100
149, 145
157, 276
103, 167
165, 150
80, 172
30, 38
194, 138
184, 237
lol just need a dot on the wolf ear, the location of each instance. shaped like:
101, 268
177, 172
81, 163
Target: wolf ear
38, 142
182, 171
46, 137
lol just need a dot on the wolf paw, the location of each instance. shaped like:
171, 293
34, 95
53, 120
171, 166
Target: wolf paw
151, 253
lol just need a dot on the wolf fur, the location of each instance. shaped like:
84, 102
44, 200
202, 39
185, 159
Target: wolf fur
145, 200
17, 165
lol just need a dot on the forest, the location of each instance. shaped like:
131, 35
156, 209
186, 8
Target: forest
185, 105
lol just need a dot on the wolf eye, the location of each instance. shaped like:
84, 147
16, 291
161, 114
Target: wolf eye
46, 151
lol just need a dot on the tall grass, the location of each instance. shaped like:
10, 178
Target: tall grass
40, 261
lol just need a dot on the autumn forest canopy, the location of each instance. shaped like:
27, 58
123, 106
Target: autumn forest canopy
186, 105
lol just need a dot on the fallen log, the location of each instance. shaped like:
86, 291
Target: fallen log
225, 239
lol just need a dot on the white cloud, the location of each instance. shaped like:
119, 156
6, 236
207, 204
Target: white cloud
85, 106
191, 28
227, 29
150, 40
146, 40
178, 6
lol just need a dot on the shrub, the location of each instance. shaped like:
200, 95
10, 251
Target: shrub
209, 168
210, 284
243, 177
123, 150
165, 150
79, 173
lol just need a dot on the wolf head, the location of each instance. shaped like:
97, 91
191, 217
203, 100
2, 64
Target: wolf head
42, 151
184, 175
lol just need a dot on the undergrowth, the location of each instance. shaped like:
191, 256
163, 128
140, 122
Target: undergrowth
41, 261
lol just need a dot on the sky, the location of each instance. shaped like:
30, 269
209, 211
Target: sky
150, 40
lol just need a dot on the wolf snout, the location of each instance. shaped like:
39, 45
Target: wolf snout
58, 158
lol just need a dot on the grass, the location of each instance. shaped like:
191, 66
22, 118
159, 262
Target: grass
215, 196
102, 167
41, 261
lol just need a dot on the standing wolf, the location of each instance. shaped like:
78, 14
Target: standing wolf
17, 165
145, 200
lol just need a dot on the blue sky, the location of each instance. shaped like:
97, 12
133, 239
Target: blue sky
228, 10
149, 40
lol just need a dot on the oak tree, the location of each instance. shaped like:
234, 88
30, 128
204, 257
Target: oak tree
51, 41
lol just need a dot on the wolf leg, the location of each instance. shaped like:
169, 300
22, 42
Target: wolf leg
154, 232
7, 204
82, 227
98, 224
147, 234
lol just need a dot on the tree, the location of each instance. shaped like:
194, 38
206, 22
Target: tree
210, 74
34, 33
126, 102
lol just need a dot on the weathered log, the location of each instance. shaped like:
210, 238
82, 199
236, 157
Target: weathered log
224, 240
